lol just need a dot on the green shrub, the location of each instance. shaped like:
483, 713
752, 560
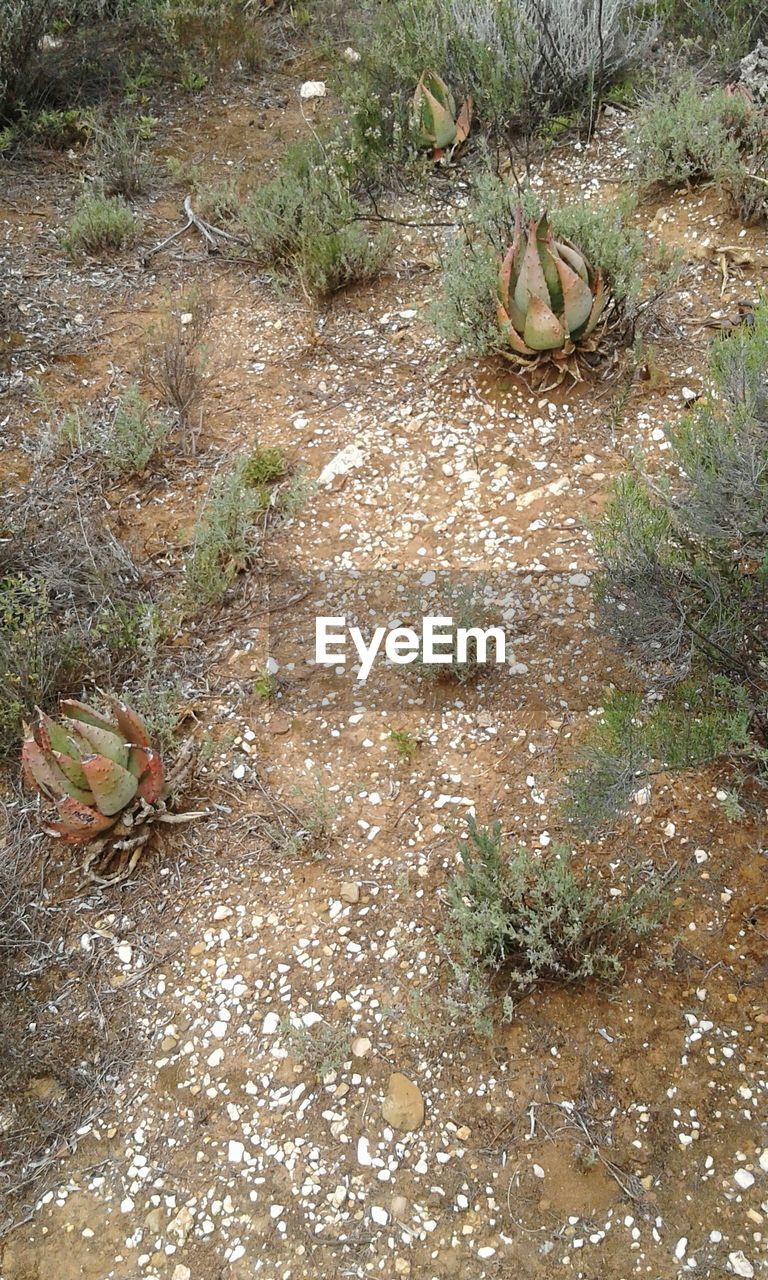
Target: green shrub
58, 129
264, 466
135, 434
697, 723
22, 26
224, 538
522, 919
683, 135
466, 603
726, 29
683, 581
683, 566
306, 223
466, 309
100, 224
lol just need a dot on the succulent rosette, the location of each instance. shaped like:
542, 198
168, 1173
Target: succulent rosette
437, 124
550, 300
91, 768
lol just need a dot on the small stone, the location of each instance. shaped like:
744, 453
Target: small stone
403, 1107
681, 1248
363, 1153
350, 892
486, 1252
270, 1024
361, 1046
235, 1152
743, 1178
279, 723
740, 1265
379, 1215
399, 1207
538, 1172
180, 1272
313, 89
222, 913
763, 1161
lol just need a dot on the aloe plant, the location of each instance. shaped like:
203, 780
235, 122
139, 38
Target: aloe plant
550, 300
436, 123
91, 768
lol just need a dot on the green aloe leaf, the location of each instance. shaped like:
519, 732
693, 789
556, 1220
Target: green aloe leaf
105, 743
113, 786
543, 330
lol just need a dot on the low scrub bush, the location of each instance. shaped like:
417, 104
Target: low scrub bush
306, 223
71, 607
695, 725
522, 61
683, 135
725, 29
100, 225
516, 919
224, 537
683, 583
23, 23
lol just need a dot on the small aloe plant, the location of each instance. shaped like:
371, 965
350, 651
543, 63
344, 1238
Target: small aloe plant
550, 301
436, 123
105, 783
91, 767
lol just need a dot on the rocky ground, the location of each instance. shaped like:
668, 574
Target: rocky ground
303, 1107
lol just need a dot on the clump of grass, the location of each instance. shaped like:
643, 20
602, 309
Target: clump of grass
100, 225
264, 466
224, 538
696, 724
305, 223
135, 434
323, 1048
405, 745
175, 359
515, 919
122, 160
466, 603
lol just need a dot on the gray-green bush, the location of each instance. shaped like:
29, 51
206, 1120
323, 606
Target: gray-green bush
684, 135
515, 919
100, 225
224, 538
307, 224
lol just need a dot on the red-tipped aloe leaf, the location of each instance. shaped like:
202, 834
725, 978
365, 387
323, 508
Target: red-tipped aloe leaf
113, 786
104, 742
543, 330
72, 770
505, 274
577, 298
131, 724
598, 306
547, 258
510, 334
152, 776
77, 823
42, 772
464, 121
50, 735
574, 259
86, 715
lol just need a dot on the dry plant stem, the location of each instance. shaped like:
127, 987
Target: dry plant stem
207, 230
